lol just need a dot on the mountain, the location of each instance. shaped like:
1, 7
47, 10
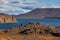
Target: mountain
41, 13
5, 18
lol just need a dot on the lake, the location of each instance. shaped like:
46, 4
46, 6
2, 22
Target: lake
52, 22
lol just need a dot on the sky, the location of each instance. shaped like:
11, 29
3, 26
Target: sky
16, 7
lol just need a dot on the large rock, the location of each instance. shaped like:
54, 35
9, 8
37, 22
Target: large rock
4, 18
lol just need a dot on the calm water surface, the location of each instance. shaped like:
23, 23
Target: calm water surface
53, 22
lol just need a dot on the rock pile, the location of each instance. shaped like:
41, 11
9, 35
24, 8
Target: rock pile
32, 31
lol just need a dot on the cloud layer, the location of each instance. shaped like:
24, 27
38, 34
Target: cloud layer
23, 6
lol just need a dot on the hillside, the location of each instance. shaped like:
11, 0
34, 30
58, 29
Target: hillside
31, 31
4, 18
41, 13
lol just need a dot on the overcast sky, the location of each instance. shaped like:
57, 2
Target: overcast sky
22, 6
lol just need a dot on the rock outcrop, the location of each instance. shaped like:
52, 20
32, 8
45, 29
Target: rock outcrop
31, 31
4, 18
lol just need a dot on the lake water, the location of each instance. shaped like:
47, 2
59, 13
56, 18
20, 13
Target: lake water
53, 22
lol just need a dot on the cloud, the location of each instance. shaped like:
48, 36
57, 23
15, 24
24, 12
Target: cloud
2, 9
23, 6
15, 6
55, 6
3, 1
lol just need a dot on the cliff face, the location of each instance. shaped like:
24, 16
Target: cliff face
31, 31
4, 18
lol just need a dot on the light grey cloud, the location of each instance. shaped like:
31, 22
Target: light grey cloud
15, 6
23, 6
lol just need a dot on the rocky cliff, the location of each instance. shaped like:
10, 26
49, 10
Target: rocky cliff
4, 18
31, 31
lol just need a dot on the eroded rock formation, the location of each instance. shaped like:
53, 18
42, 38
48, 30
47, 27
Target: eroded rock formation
6, 18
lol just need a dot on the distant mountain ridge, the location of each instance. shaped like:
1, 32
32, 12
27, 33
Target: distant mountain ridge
41, 13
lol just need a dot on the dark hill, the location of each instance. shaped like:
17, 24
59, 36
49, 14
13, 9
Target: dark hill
41, 13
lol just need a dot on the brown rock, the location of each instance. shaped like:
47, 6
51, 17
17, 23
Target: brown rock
32, 31
4, 18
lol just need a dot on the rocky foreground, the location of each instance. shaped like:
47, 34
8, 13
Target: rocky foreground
4, 18
31, 31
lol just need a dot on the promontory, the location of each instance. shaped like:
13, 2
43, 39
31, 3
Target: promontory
5, 18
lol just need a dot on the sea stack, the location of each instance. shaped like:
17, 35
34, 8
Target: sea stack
4, 18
